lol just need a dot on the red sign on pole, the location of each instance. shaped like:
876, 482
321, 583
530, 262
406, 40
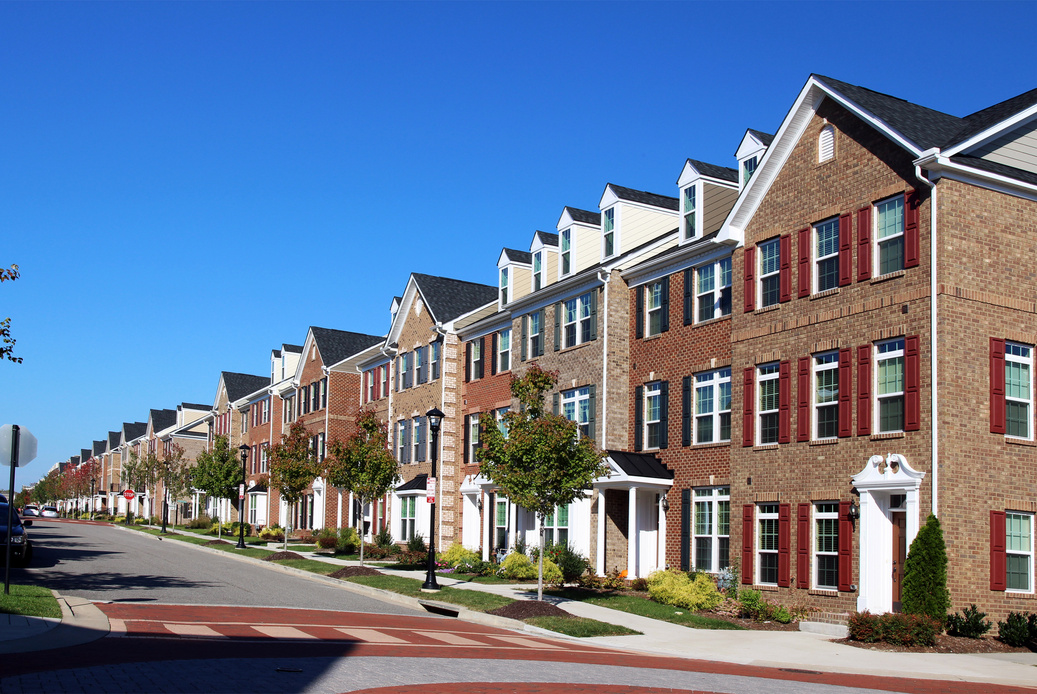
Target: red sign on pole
128, 494
430, 490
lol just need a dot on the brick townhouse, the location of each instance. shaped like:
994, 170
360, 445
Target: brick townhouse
190, 433
882, 350
130, 438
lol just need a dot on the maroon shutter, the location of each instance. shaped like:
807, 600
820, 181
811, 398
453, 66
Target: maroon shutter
784, 544
912, 385
784, 403
998, 552
864, 390
747, 544
493, 354
845, 250
747, 406
864, 244
803, 400
803, 276
911, 204
785, 278
845, 392
750, 278
468, 362
997, 385
845, 546
803, 546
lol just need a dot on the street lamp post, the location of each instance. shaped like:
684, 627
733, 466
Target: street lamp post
92, 498
435, 418
165, 494
241, 499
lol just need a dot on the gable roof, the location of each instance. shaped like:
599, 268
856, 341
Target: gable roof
765, 138
134, 430
239, 385
162, 419
292, 348
113, 438
645, 198
99, 447
515, 256
723, 173
193, 406
448, 298
546, 238
584, 216
336, 345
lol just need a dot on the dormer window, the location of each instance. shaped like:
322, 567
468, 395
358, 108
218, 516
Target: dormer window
504, 286
748, 169
608, 230
690, 209
566, 243
538, 270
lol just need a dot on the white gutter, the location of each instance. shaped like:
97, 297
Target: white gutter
604, 355
933, 344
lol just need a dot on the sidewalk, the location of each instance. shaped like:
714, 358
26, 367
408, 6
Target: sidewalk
82, 622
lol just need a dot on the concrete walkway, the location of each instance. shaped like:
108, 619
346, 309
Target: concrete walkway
82, 621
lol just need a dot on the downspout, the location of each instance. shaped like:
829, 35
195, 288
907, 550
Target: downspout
933, 348
604, 276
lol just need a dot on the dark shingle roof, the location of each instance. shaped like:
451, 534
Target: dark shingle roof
664, 201
162, 419
765, 138
992, 115
546, 238
240, 385
194, 406
113, 438
73, 460
85, 454
277, 353
292, 348
100, 447
584, 216
418, 482
724, 173
134, 430
640, 465
447, 299
518, 256
336, 345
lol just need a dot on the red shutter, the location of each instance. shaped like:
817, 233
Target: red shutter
864, 244
803, 546
785, 278
747, 406
845, 546
747, 544
803, 400
750, 278
911, 204
784, 544
845, 250
998, 552
845, 392
803, 276
864, 390
784, 403
997, 385
468, 362
493, 354
912, 381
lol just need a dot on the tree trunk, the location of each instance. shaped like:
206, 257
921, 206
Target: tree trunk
540, 570
361, 534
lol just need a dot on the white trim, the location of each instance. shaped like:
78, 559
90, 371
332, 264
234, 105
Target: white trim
994, 132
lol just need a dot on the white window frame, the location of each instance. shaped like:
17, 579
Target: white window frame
264, 457
826, 365
401, 439
889, 350
576, 408
749, 168
504, 350
825, 513
709, 507
712, 389
435, 365
608, 233
653, 307
653, 395
565, 249
538, 271
689, 212
535, 320
1019, 356
416, 424
501, 531
502, 424
766, 374
713, 290
371, 385
823, 259
1023, 549
408, 516
767, 513
897, 237
476, 355
576, 318
554, 528
473, 438
766, 274
505, 287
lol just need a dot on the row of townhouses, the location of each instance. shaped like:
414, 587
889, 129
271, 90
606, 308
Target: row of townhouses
790, 364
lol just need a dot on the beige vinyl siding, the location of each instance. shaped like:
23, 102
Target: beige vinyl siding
1017, 148
586, 247
521, 281
550, 266
719, 201
639, 225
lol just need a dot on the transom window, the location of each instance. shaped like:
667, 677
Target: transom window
826, 395
826, 263
577, 320
713, 406
538, 270
608, 230
713, 290
576, 407
504, 350
770, 272
1018, 396
1019, 546
690, 209
654, 308
712, 507
408, 516
889, 385
653, 415
504, 286
566, 244
826, 545
889, 234
767, 544
767, 377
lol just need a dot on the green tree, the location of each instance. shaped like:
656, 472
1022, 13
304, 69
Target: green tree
176, 474
364, 464
538, 459
293, 467
6, 341
218, 472
925, 574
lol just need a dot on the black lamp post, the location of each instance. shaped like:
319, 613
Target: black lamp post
165, 495
241, 499
92, 498
435, 418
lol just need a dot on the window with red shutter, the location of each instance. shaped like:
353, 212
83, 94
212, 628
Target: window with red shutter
845, 547
784, 544
864, 244
845, 392
784, 403
803, 546
912, 384
749, 282
998, 552
786, 269
864, 390
845, 251
997, 385
803, 400
747, 544
803, 267
911, 241
748, 381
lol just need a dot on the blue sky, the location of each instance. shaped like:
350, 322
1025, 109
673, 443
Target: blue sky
186, 186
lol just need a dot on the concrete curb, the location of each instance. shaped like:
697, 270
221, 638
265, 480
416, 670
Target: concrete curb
81, 622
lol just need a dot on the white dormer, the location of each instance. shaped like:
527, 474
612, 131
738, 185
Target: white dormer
707, 193
630, 218
578, 246
513, 271
394, 308
750, 153
543, 259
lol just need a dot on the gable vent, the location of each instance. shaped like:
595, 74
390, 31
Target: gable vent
826, 144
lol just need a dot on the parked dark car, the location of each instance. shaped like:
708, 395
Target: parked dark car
21, 546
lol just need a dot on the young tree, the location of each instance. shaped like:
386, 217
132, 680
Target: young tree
293, 467
176, 476
538, 459
924, 590
364, 464
6, 341
218, 472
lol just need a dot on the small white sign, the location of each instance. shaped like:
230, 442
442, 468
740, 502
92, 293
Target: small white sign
241, 491
430, 490
26, 445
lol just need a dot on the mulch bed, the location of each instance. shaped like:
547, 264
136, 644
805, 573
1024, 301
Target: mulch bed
944, 644
282, 555
524, 609
216, 542
350, 571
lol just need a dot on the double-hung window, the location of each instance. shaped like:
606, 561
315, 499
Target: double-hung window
767, 544
712, 528
889, 234
504, 287
1018, 394
767, 377
713, 406
654, 308
408, 371
770, 272
556, 527
576, 408
500, 523
748, 169
1019, 547
889, 385
476, 366
576, 320
420, 365
826, 545
653, 415
538, 270
402, 441
371, 375
535, 333
408, 516
473, 438
713, 290
504, 350
418, 439
826, 395
565, 240
502, 423
434, 361
608, 232
826, 258
690, 209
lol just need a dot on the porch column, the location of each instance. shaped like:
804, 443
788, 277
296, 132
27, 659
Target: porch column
660, 551
512, 524
632, 534
599, 560
338, 523
487, 517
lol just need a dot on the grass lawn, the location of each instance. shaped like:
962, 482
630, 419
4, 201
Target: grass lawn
31, 601
580, 626
488, 580
473, 600
646, 608
312, 565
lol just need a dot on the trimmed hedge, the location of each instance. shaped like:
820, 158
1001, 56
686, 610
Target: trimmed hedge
896, 628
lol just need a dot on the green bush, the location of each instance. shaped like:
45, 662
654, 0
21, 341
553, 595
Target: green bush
326, 538
1018, 629
417, 544
272, 534
234, 528
924, 589
384, 538
519, 567
572, 563
970, 624
202, 521
895, 628
140, 520
782, 615
677, 588
348, 540
751, 604
461, 559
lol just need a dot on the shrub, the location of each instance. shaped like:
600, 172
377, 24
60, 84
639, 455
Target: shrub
924, 589
234, 528
782, 615
140, 520
571, 563
864, 627
326, 538
969, 624
383, 538
751, 604
202, 521
417, 544
677, 588
895, 628
272, 533
348, 540
520, 546
460, 558
519, 567
1017, 629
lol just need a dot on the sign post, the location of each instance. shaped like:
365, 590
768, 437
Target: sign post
17, 448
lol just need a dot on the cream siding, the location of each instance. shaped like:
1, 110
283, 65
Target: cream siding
1017, 148
718, 202
521, 282
550, 266
586, 247
639, 225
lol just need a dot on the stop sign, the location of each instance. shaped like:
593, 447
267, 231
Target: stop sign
128, 494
